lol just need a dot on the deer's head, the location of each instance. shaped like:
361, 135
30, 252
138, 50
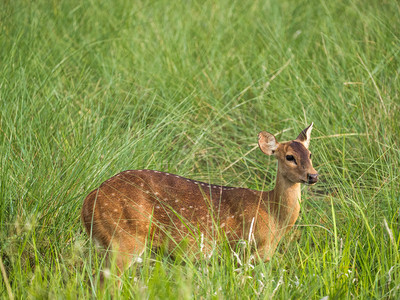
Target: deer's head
294, 158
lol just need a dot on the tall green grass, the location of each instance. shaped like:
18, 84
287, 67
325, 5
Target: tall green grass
91, 88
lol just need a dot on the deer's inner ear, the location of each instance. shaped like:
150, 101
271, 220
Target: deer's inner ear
267, 142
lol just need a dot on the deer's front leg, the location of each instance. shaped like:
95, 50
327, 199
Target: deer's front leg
267, 246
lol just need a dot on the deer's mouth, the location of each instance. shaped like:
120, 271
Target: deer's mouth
309, 182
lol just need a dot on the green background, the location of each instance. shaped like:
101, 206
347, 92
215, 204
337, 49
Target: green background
91, 88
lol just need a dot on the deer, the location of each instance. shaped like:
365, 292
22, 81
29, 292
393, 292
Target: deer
136, 208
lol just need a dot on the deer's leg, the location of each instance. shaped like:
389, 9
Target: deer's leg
127, 250
269, 245
266, 251
123, 253
267, 237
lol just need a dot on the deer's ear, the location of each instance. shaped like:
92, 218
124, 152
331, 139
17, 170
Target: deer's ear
267, 142
305, 136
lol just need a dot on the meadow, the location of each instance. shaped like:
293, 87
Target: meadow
92, 88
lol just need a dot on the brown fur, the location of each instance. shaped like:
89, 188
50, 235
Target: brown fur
137, 205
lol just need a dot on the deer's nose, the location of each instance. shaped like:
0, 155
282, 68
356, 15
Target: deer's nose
312, 178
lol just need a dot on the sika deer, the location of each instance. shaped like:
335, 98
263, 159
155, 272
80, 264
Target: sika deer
134, 206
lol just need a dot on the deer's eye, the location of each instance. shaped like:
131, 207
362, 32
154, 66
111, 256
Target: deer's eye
290, 158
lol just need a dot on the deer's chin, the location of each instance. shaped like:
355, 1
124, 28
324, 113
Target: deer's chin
298, 181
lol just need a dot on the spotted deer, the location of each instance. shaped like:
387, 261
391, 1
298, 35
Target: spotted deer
139, 207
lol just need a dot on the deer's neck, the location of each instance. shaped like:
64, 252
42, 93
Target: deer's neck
287, 196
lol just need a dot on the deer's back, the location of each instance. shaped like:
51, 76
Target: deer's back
139, 202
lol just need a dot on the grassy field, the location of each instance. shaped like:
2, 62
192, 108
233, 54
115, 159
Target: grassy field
91, 88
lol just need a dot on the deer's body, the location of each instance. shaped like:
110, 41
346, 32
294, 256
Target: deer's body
137, 205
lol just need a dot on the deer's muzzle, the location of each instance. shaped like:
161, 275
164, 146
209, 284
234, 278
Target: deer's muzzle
312, 178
